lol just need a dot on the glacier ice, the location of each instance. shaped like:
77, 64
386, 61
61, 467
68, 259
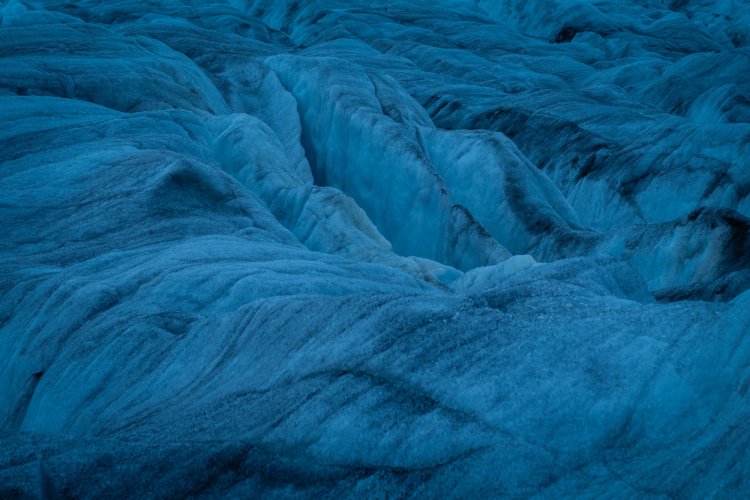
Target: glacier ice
375, 248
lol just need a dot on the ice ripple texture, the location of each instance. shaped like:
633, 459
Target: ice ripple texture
375, 248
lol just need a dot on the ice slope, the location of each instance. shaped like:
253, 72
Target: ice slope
374, 248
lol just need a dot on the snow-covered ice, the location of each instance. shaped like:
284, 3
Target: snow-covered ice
373, 248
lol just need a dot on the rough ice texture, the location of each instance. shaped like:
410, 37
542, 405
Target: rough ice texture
368, 248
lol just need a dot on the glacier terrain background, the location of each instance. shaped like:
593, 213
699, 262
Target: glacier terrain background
375, 248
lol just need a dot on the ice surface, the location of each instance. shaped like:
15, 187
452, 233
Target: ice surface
372, 249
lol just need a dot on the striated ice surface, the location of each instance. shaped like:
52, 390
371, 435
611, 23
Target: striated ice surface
373, 248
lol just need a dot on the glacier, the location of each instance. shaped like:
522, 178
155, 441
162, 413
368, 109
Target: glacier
375, 248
